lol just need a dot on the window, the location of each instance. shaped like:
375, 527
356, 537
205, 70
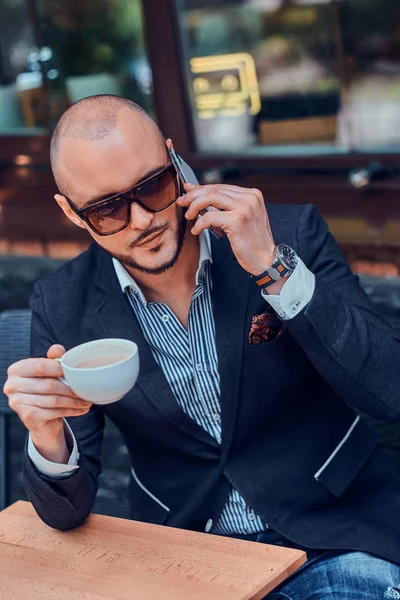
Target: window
55, 52
293, 76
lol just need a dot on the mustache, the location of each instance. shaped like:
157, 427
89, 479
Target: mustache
148, 233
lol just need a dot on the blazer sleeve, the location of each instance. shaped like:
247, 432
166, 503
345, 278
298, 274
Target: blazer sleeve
355, 350
63, 503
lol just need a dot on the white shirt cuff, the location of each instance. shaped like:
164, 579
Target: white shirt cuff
295, 294
51, 469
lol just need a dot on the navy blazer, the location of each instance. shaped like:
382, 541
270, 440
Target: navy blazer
292, 442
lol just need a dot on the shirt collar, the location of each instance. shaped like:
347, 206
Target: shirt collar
126, 280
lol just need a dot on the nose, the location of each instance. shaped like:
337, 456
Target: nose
140, 218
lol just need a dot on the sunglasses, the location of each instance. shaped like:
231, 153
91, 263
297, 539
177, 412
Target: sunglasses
113, 214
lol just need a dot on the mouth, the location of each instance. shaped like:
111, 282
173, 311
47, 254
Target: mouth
155, 237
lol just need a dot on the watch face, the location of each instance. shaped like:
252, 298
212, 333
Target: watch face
288, 256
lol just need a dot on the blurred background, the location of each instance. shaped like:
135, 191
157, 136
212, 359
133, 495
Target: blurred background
300, 98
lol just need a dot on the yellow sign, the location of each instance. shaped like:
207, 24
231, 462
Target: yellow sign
225, 85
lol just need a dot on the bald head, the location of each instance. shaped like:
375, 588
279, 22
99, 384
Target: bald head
92, 119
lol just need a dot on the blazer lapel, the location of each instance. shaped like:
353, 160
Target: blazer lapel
230, 284
117, 320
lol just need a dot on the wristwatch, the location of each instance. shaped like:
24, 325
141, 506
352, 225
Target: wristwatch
284, 264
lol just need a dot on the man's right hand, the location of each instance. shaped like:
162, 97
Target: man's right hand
41, 401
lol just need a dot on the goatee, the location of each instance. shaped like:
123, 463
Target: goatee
127, 261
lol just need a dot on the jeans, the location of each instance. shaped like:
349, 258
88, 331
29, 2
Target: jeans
348, 576
333, 575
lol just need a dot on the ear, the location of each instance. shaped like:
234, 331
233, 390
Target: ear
169, 143
69, 213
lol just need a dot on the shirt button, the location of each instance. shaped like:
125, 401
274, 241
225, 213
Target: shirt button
216, 417
281, 314
165, 318
252, 516
199, 367
209, 525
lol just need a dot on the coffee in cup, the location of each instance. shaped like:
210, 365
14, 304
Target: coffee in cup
104, 361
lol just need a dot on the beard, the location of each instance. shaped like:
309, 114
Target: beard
128, 261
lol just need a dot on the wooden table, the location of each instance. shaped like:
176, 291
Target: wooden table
112, 559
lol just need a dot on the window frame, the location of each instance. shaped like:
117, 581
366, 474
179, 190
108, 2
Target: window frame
321, 180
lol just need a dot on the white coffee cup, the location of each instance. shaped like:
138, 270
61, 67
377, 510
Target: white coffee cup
102, 371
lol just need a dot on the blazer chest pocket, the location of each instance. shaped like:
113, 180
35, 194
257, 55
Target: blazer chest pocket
347, 459
145, 506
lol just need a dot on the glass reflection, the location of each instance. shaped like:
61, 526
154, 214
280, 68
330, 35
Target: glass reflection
327, 73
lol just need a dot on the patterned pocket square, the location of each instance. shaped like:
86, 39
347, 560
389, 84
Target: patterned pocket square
265, 327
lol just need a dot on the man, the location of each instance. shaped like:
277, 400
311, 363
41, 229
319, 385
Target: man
258, 352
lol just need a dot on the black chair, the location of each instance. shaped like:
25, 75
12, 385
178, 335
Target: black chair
15, 328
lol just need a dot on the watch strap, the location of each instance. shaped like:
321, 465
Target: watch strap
277, 271
271, 275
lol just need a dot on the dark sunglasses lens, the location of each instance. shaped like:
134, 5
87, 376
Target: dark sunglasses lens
159, 191
109, 217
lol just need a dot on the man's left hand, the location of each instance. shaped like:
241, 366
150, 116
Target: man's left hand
241, 214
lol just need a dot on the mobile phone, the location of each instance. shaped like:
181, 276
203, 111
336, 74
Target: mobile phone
187, 175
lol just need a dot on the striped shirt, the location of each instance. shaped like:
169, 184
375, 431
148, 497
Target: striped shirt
190, 365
